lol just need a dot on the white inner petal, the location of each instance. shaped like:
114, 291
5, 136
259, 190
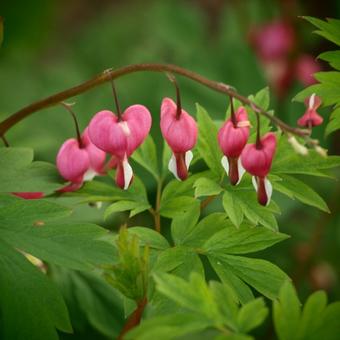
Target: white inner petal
172, 166
253, 179
188, 158
225, 164
311, 100
125, 128
89, 175
241, 170
269, 189
128, 173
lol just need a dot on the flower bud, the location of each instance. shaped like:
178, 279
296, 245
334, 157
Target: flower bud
120, 137
78, 163
180, 133
305, 67
311, 117
257, 160
232, 139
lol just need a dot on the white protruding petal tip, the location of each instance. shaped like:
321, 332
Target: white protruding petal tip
172, 166
188, 158
269, 189
128, 173
253, 179
241, 170
89, 175
225, 164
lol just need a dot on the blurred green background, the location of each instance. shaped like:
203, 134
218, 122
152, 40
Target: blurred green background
53, 45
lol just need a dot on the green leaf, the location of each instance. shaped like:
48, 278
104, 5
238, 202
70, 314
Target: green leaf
19, 174
27, 293
195, 235
233, 208
177, 206
311, 319
1, 30
329, 77
168, 327
286, 313
119, 206
239, 288
149, 237
90, 300
206, 187
246, 239
179, 260
330, 328
252, 315
182, 225
264, 276
329, 30
165, 159
332, 57
294, 188
334, 123
262, 98
146, 156
207, 142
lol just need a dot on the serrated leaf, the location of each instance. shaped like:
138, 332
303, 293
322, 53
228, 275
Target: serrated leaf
119, 206
146, 156
295, 188
207, 142
27, 293
264, 276
196, 235
233, 208
332, 57
246, 239
206, 187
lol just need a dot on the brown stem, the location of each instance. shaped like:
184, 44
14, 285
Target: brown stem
68, 108
113, 74
5, 141
232, 112
178, 95
258, 131
134, 319
114, 92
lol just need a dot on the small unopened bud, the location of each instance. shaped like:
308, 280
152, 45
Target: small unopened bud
299, 148
321, 151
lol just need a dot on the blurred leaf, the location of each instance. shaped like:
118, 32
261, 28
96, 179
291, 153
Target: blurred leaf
89, 297
29, 226
30, 304
165, 158
294, 188
286, 313
206, 187
332, 57
207, 141
1, 30
167, 327
149, 237
146, 156
19, 174
334, 123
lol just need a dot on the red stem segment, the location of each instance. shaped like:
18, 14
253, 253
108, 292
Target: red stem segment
134, 319
232, 112
178, 95
68, 108
113, 74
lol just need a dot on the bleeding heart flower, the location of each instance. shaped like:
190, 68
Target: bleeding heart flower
179, 130
29, 195
305, 67
232, 138
257, 160
273, 40
311, 117
121, 137
78, 163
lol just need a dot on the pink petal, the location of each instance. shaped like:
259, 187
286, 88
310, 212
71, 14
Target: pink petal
72, 162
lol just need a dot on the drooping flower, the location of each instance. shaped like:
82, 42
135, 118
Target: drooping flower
306, 66
232, 138
79, 161
120, 137
311, 118
179, 130
257, 160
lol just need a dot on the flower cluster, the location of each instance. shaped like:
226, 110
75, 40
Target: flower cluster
240, 157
